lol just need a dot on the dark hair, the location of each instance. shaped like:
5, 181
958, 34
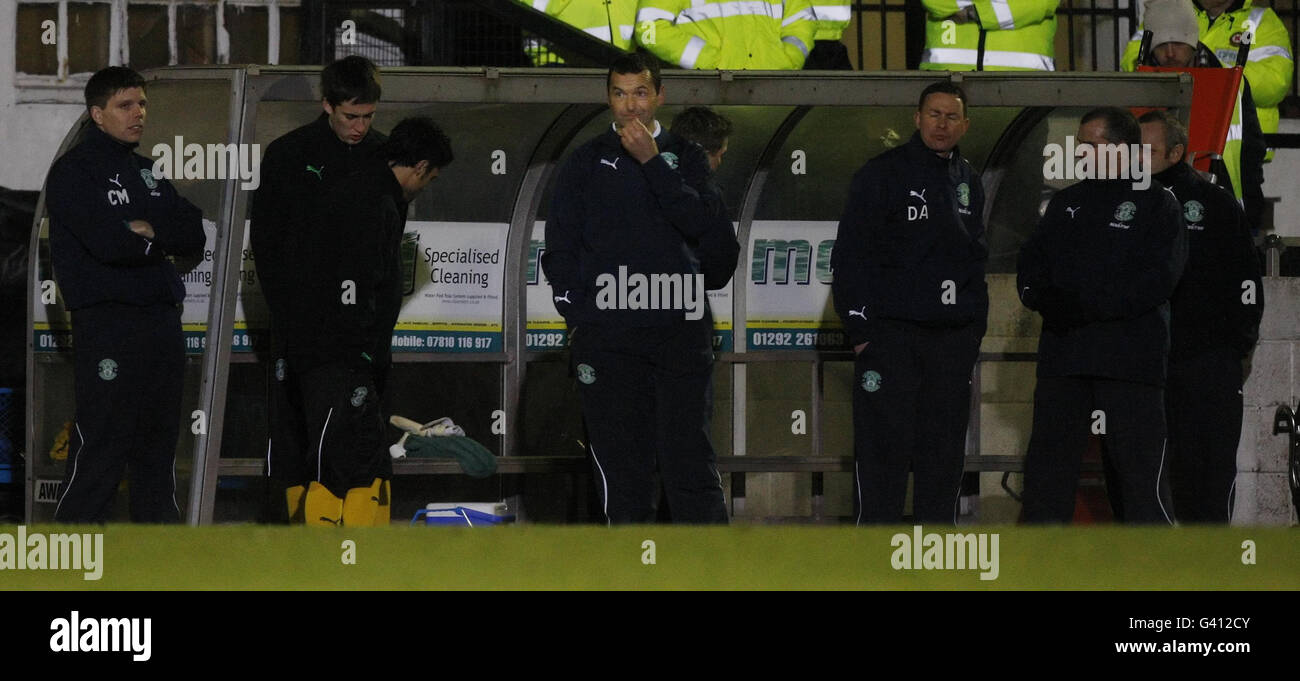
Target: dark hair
703, 126
417, 139
1175, 133
107, 82
1121, 126
350, 78
947, 88
635, 62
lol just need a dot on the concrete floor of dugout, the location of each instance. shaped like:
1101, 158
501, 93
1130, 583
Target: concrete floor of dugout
552, 426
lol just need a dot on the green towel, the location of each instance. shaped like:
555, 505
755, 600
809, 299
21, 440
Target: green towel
474, 458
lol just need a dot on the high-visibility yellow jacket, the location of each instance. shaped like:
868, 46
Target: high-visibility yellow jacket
1020, 35
1232, 147
610, 21
736, 34
832, 16
1269, 64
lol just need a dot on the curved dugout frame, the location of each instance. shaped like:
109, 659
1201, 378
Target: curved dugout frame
581, 93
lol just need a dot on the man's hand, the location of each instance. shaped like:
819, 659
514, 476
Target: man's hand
142, 228
638, 141
857, 349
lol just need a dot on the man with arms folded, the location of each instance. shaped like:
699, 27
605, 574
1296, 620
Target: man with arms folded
112, 226
1100, 268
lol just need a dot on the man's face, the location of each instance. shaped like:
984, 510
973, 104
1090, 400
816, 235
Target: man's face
349, 120
417, 179
1162, 158
715, 157
1174, 54
942, 121
122, 117
632, 97
1091, 139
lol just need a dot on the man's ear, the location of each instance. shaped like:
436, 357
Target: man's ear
422, 168
97, 115
325, 104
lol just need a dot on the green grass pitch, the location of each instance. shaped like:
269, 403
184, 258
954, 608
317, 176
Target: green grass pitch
247, 557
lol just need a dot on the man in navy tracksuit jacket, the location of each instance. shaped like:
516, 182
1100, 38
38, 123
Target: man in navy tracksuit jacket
112, 226
909, 287
1100, 268
632, 219
342, 344
1214, 323
303, 172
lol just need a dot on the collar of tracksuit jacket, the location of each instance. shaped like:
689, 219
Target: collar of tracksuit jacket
106, 143
1176, 174
918, 153
658, 129
321, 128
611, 140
